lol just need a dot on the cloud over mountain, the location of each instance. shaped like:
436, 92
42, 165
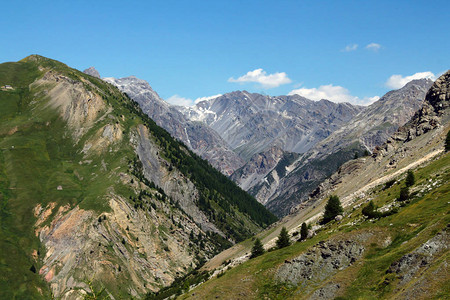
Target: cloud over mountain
333, 93
261, 77
397, 81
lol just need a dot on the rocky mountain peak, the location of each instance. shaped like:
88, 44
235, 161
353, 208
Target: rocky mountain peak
427, 118
439, 94
92, 71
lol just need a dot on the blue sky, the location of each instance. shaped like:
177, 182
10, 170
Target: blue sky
341, 50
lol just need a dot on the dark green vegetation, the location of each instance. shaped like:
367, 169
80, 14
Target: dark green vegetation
410, 179
404, 193
386, 241
180, 285
370, 211
332, 209
39, 154
257, 249
303, 232
220, 198
447, 141
283, 238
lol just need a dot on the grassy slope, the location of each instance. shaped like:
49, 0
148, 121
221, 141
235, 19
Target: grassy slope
413, 225
37, 154
33, 162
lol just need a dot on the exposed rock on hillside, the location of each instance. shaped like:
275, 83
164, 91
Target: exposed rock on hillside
174, 184
78, 106
252, 123
367, 129
257, 167
373, 126
197, 136
413, 267
321, 262
410, 264
428, 117
92, 71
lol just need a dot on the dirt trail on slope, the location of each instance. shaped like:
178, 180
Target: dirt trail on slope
386, 178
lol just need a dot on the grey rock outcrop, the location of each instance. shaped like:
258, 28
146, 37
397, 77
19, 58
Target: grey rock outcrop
428, 117
410, 264
92, 71
320, 262
259, 166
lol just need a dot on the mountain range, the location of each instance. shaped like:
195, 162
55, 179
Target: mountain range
381, 246
279, 149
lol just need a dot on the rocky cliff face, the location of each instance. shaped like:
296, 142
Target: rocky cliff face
257, 167
197, 136
434, 112
252, 123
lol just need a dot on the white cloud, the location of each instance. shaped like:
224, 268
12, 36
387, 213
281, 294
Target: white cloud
369, 100
333, 93
206, 98
398, 81
373, 46
351, 47
266, 81
178, 100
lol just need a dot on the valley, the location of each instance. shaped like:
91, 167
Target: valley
97, 200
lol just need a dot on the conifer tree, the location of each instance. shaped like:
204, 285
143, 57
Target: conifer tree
447, 142
283, 238
257, 249
410, 180
404, 193
332, 209
303, 232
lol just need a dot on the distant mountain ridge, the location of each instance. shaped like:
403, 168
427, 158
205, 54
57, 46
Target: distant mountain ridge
371, 127
252, 123
200, 138
238, 133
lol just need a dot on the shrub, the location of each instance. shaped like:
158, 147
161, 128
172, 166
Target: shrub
370, 211
389, 184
